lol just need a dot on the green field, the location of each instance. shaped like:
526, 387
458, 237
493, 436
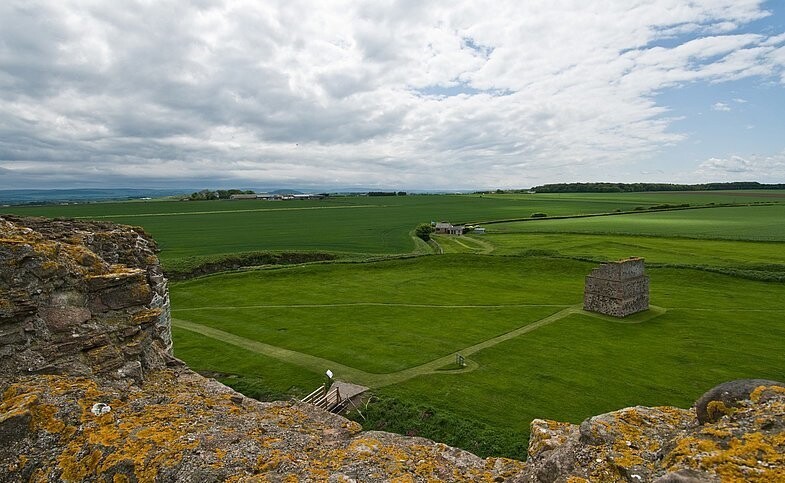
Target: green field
360, 224
760, 223
508, 300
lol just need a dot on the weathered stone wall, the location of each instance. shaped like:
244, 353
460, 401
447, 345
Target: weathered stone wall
618, 288
80, 298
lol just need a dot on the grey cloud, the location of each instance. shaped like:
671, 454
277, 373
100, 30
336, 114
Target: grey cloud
118, 93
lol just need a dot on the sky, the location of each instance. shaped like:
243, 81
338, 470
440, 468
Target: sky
404, 94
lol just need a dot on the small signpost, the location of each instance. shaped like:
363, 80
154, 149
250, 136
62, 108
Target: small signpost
460, 361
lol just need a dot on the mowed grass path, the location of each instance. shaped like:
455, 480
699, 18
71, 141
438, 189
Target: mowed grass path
716, 328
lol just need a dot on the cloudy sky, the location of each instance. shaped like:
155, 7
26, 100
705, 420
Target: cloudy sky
407, 94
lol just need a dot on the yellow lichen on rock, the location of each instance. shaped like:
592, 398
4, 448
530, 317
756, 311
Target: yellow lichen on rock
756, 394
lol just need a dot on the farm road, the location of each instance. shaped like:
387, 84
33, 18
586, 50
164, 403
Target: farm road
319, 364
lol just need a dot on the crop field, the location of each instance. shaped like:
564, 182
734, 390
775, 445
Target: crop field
359, 224
656, 249
761, 223
509, 301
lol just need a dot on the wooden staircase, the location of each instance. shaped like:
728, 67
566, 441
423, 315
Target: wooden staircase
330, 400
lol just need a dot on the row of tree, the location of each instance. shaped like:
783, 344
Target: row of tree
217, 194
387, 193
637, 187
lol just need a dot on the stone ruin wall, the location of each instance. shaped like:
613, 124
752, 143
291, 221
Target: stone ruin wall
81, 298
617, 288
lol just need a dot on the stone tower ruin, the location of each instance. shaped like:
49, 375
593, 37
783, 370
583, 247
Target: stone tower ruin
617, 288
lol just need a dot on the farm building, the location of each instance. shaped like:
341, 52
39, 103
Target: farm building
444, 228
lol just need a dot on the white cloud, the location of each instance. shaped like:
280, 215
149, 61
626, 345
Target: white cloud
336, 92
743, 167
720, 106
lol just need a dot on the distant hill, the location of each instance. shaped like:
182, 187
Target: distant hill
21, 197
638, 187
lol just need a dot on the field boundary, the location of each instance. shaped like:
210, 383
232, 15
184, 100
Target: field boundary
632, 212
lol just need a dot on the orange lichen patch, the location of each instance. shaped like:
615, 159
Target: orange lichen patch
84, 257
364, 446
118, 478
286, 417
631, 442
150, 438
44, 418
758, 392
14, 241
50, 265
718, 409
546, 434
39, 476
754, 457
147, 316
272, 460
505, 467
557, 425
16, 404
576, 479
352, 427
402, 479
717, 433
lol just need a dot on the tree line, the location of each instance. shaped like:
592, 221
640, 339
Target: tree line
637, 187
218, 194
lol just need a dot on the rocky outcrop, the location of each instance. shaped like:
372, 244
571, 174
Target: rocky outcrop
90, 392
744, 441
80, 298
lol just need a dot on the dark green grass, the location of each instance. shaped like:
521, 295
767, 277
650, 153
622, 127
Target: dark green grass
373, 339
763, 223
378, 338
242, 369
582, 365
445, 280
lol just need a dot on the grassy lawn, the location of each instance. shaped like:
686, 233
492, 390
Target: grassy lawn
367, 315
373, 339
582, 366
437, 280
573, 368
